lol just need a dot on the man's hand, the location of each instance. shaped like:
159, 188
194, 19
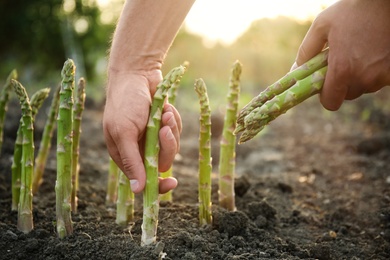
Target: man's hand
357, 33
125, 117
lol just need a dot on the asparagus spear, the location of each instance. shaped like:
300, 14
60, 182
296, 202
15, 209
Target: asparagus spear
281, 85
227, 157
16, 168
64, 151
125, 202
205, 167
4, 97
172, 94
35, 103
152, 148
77, 112
112, 183
44, 147
302, 90
25, 217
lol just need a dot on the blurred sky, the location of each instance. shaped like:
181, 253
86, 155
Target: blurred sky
225, 20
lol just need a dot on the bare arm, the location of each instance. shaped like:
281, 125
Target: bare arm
142, 38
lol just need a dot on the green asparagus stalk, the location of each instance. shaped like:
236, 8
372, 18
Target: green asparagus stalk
77, 113
125, 202
227, 157
112, 183
281, 85
302, 90
172, 94
64, 151
35, 103
152, 148
205, 167
25, 217
166, 196
16, 168
44, 147
4, 98
37, 100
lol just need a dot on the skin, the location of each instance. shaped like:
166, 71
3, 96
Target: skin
139, 46
356, 31
358, 35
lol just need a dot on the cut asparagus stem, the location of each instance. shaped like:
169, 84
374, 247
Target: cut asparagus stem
77, 113
152, 148
25, 217
64, 151
281, 85
44, 147
205, 167
125, 202
227, 157
302, 90
35, 103
112, 183
4, 98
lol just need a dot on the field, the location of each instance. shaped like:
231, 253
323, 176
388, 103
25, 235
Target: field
314, 185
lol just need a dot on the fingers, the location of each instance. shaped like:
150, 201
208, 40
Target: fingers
169, 136
167, 184
126, 155
313, 43
334, 91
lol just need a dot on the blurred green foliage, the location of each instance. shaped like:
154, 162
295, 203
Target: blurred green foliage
39, 35
267, 50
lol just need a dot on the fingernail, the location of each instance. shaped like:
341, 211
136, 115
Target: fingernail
168, 108
134, 185
294, 66
169, 135
171, 122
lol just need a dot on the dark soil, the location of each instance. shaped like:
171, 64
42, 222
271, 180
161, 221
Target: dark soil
315, 185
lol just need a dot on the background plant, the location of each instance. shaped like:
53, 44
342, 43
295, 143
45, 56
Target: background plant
205, 167
77, 115
227, 157
64, 151
4, 98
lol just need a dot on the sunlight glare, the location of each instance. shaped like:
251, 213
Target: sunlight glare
225, 20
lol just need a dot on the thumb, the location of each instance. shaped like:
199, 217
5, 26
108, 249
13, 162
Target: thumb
313, 43
131, 163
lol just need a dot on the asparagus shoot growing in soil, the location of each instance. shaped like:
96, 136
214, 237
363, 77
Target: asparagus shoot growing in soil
256, 120
25, 216
172, 94
205, 167
77, 113
125, 201
281, 85
36, 102
152, 148
4, 98
64, 151
112, 183
44, 147
227, 157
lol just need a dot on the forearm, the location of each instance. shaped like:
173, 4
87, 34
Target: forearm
145, 32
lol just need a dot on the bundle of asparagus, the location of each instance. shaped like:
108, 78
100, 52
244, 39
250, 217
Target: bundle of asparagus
295, 87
